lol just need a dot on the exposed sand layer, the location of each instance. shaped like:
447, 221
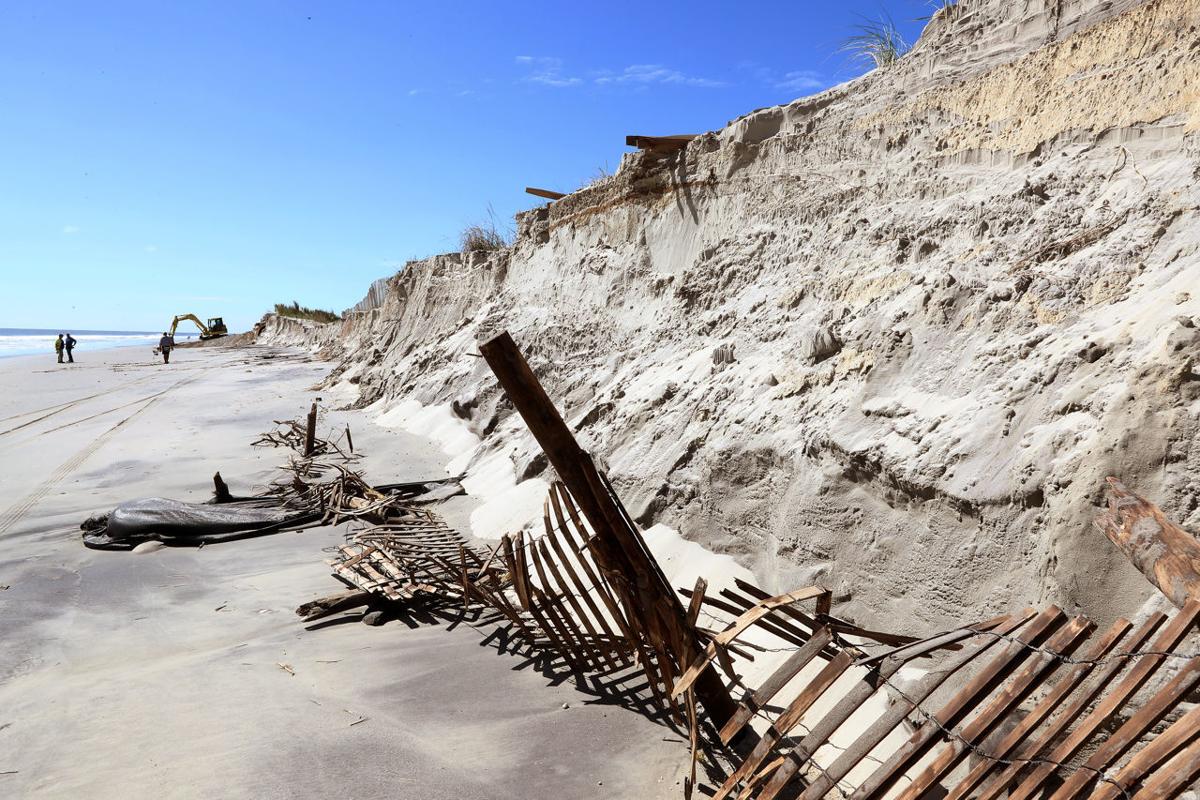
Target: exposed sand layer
157, 675
891, 337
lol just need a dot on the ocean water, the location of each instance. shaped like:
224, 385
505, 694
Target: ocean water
40, 341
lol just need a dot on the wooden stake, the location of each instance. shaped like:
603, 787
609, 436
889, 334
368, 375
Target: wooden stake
664, 616
310, 433
221, 489
1166, 554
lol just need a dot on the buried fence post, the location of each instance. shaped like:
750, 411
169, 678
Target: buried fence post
310, 433
1166, 554
663, 620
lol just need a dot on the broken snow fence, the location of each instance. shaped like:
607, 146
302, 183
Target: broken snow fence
782, 698
319, 488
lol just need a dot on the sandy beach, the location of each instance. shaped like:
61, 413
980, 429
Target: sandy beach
159, 675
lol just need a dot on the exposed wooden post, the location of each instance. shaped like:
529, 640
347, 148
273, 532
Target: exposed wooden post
546, 193
1165, 553
310, 432
665, 619
221, 489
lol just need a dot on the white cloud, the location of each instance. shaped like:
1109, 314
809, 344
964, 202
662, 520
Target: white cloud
151, 248
796, 82
70, 230
805, 80
644, 74
547, 71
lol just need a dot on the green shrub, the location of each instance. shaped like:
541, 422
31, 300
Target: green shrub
878, 42
303, 312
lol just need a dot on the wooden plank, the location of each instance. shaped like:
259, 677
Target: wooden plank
660, 144
789, 669
549, 194
548, 597
853, 699
1062, 643
1062, 689
689, 782
379, 579
624, 619
740, 626
1166, 554
573, 584
521, 554
697, 600
573, 602
577, 537
788, 720
875, 733
782, 628
1182, 733
949, 715
1112, 702
1079, 783
838, 625
1175, 776
550, 631
783, 624
657, 602
791, 634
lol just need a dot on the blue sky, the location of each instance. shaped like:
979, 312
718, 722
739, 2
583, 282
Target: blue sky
217, 157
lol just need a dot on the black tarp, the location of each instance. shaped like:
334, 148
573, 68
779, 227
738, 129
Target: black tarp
176, 522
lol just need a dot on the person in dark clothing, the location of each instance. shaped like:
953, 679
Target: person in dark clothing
165, 344
58, 347
69, 345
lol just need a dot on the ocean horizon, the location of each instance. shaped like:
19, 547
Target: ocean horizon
40, 341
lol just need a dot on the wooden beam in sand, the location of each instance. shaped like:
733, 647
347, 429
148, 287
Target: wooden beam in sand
660, 144
648, 594
310, 431
1166, 554
549, 194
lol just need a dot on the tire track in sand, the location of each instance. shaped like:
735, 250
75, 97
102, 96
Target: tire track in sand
50, 411
15, 512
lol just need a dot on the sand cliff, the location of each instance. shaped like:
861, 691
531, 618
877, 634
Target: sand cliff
891, 337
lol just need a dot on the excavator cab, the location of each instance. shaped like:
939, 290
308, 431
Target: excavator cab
216, 327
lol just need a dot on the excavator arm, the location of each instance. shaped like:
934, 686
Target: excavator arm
204, 331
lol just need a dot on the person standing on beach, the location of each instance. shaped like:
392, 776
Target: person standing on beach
165, 344
69, 345
58, 347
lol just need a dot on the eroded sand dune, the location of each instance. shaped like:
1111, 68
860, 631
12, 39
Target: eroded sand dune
957, 294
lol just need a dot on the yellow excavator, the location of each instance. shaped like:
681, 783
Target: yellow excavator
215, 327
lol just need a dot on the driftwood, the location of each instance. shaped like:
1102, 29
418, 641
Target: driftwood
1166, 554
332, 604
